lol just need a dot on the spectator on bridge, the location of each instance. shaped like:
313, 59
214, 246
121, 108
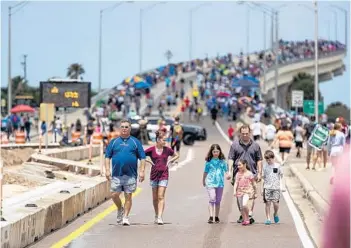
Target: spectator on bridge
216, 169
248, 149
158, 156
124, 152
336, 144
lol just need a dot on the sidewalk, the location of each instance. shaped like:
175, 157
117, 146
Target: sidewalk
315, 183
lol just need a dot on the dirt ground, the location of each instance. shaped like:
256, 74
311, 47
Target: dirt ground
16, 156
18, 180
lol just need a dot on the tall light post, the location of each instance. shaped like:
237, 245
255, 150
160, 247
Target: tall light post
345, 22
265, 13
141, 16
15, 7
102, 11
316, 52
335, 23
274, 12
191, 11
316, 86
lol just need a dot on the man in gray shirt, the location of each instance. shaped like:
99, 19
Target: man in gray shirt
245, 148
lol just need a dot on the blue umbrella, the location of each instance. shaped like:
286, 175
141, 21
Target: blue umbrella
142, 85
247, 82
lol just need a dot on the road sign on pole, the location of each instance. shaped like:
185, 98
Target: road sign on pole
308, 107
297, 98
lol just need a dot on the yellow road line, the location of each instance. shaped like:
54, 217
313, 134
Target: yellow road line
85, 227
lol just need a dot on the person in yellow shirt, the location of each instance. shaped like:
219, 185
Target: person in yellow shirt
195, 95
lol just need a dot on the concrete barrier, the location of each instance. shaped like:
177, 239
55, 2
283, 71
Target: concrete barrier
68, 165
28, 145
76, 153
25, 225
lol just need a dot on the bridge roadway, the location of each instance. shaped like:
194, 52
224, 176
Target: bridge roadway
185, 215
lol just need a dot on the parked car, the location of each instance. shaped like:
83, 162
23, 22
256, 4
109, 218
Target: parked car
192, 133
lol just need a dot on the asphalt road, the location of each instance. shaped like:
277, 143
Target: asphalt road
185, 215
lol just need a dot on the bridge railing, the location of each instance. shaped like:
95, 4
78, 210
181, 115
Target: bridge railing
299, 60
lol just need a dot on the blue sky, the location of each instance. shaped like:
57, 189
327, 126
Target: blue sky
55, 34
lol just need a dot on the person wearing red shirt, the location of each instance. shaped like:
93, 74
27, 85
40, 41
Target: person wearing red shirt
187, 101
231, 132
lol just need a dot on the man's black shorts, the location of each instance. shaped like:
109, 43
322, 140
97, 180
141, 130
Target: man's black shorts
175, 145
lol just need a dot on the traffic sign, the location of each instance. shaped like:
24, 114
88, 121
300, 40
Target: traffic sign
308, 107
297, 98
319, 137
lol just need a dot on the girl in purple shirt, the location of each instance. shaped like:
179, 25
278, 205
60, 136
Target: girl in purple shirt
158, 156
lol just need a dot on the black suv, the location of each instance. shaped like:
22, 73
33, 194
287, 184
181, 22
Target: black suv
192, 133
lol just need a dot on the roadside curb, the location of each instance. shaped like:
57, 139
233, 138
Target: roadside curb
311, 194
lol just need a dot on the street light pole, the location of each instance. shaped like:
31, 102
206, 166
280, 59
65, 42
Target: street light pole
141, 15
345, 22
247, 30
110, 8
191, 28
335, 24
9, 87
140, 40
316, 88
264, 53
276, 59
190, 34
100, 51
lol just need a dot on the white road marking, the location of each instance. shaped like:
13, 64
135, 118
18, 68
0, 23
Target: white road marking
299, 224
189, 157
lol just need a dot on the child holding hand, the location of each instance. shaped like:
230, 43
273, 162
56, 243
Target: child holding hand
245, 190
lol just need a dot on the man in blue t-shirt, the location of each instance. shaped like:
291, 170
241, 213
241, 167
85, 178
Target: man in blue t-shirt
124, 152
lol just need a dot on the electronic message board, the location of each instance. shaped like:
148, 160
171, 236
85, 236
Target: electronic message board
66, 94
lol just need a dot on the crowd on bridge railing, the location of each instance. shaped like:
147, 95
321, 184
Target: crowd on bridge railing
293, 51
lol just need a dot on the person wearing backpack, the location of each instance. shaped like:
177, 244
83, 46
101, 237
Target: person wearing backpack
176, 135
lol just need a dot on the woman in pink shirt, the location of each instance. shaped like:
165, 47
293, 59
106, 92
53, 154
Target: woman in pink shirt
337, 222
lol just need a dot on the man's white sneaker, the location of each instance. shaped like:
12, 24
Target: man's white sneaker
120, 214
159, 221
156, 218
125, 221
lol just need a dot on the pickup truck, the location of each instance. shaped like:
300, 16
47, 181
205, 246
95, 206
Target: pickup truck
192, 133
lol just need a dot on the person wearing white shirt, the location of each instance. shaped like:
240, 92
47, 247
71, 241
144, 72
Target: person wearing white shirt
256, 130
270, 133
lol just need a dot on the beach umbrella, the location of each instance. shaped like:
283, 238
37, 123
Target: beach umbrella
142, 85
22, 108
223, 94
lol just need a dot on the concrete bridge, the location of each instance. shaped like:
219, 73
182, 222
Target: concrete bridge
330, 65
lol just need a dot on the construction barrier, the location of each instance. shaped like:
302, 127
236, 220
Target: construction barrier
20, 137
97, 138
113, 135
75, 136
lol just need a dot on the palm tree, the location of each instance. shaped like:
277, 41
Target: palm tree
75, 71
19, 85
